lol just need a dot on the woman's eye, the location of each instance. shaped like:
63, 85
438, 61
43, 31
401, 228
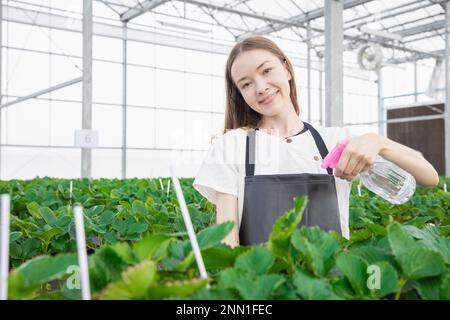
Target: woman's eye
245, 85
267, 70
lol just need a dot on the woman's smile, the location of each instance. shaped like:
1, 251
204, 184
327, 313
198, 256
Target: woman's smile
269, 99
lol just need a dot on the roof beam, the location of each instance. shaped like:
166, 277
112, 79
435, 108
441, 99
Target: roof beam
300, 19
440, 24
141, 8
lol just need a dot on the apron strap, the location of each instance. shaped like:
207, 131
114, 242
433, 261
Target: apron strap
250, 153
250, 149
319, 143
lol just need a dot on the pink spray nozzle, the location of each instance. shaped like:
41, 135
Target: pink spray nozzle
332, 158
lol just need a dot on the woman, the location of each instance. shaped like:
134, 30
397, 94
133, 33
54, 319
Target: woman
267, 154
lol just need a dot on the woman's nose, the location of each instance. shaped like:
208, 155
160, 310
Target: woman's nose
261, 87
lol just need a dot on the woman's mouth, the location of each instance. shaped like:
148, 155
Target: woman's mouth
269, 98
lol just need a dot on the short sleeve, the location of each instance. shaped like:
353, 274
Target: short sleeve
218, 172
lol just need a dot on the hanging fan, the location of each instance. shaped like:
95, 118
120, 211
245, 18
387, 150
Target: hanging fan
370, 57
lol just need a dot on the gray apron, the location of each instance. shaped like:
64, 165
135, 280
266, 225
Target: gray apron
267, 197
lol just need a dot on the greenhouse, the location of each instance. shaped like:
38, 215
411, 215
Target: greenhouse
225, 150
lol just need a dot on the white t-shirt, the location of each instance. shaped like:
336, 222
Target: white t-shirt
223, 169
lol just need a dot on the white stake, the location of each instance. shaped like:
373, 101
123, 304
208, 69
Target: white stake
70, 190
4, 247
445, 187
188, 224
161, 184
359, 188
82, 254
168, 187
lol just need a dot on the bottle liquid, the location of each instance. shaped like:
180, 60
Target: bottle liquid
384, 178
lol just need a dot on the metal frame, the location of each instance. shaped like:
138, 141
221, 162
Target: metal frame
86, 154
447, 89
334, 36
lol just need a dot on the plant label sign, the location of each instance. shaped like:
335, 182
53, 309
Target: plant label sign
86, 138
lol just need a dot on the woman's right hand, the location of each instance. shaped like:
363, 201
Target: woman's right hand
227, 210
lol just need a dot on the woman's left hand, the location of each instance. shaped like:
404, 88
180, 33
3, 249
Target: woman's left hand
358, 155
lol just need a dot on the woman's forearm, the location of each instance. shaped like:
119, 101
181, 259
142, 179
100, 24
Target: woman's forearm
409, 160
227, 210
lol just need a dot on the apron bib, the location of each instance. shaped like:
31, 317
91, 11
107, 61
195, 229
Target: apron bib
268, 197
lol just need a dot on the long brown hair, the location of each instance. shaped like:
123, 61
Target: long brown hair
237, 112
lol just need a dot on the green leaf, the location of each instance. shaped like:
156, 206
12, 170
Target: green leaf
119, 225
49, 234
221, 256
125, 252
284, 227
15, 235
400, 240
48, 216
261, 288
176, 289
137, 228
111, 237
45, 268
105, 266
135, 282
355, 270
152, 247
421, 263
256, 261
34, 210
311, 288
94, 211
106, 218
382, 279
139, 207
428, 288
212, 235
372, 254
317, 247
444, 290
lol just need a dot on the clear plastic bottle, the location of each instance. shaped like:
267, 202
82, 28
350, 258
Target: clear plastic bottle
389, 181
384, 178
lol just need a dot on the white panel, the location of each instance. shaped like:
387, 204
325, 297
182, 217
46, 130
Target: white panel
140, 86
140, 127
198, 92
197, 61
26, 36
107, 48
28, 163
27, 72
65, 119
170, 131
198, 130
106, 163
219, 63
218, 94
28, 123
172, 58
106, 82
66, 42
64, 69
141, 53
217, 124
153, 164
169, 89
108, 121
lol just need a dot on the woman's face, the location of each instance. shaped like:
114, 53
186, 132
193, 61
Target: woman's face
263, 81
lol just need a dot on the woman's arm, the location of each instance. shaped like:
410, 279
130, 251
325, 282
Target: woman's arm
361, 152
227, 210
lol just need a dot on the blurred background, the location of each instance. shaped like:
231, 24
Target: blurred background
121, 88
